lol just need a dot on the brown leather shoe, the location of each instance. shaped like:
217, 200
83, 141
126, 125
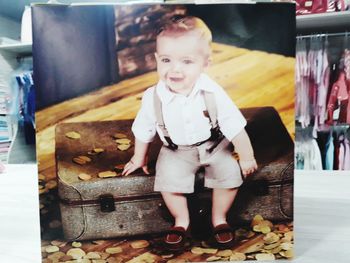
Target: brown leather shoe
175, 238
223, 235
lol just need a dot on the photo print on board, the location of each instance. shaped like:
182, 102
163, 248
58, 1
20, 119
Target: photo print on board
220, 77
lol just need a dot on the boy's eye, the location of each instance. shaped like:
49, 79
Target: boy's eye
188, 61
165, 60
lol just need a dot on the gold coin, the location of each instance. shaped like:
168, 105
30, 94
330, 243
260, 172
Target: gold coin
76, 244
288, 235
265, 256
266, 223
213, 258
286, 246
197, 251
73, 135
85, 158
265, 229
119, 136
104, 255
77, 160
123, 147
56, 255
224, 253
114, 260
276, 250
271, 238
167, 256
123, 141
175, 260
84, 177
273, 245
41, 177
76, 253
237, 256
66, 258
114, 250
287, 254
92, 255
209, 250
107, 174
256, 220
52, 249
254, 247
257, 228
139, 244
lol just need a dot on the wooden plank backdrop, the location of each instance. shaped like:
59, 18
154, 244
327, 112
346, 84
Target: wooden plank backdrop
251, 78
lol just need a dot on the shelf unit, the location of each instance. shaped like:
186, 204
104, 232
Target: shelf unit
10, 55
333, 22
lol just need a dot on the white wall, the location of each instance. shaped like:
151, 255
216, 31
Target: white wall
10, 28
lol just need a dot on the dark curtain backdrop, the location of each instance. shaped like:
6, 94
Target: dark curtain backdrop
268, 27
73, 51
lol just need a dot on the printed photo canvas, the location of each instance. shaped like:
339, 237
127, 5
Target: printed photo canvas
165, 132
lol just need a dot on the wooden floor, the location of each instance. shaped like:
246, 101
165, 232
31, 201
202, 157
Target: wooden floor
251, 78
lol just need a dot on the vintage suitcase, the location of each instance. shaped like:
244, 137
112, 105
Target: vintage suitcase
124, 206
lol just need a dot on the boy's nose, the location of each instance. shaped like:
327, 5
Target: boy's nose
176, 67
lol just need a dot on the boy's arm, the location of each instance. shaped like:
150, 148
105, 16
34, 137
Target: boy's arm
139, 159
245, 151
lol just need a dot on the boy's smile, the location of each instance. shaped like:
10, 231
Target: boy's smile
180, 61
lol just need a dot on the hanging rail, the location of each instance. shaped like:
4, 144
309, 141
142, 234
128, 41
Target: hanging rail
325, 35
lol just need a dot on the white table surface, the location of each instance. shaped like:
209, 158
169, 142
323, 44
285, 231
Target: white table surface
322, 217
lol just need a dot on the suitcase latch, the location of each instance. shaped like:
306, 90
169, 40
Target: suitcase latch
107, 203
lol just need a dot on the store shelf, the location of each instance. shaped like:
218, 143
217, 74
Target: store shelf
325, 22
19, 49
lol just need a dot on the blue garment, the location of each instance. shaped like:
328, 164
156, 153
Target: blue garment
329, 153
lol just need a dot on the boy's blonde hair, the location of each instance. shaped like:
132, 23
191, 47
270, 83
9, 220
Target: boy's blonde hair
179, 26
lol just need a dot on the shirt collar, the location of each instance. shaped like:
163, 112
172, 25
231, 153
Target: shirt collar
203, 83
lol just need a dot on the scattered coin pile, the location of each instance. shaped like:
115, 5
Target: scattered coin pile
122, 141
123, 144
61, 251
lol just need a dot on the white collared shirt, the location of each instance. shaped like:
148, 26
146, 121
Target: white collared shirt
183, 116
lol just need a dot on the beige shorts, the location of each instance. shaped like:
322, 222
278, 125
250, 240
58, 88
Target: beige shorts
175, 170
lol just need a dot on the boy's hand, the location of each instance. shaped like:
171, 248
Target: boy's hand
134, 164
248, 166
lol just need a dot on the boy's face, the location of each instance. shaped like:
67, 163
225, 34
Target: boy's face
180, 61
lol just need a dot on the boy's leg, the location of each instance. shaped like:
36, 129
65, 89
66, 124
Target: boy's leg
222, 201
177, 205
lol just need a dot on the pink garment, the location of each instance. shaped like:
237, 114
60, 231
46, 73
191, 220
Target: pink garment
339, 94
347, 76
323, 89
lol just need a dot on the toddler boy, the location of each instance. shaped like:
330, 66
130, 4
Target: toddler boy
177, 109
